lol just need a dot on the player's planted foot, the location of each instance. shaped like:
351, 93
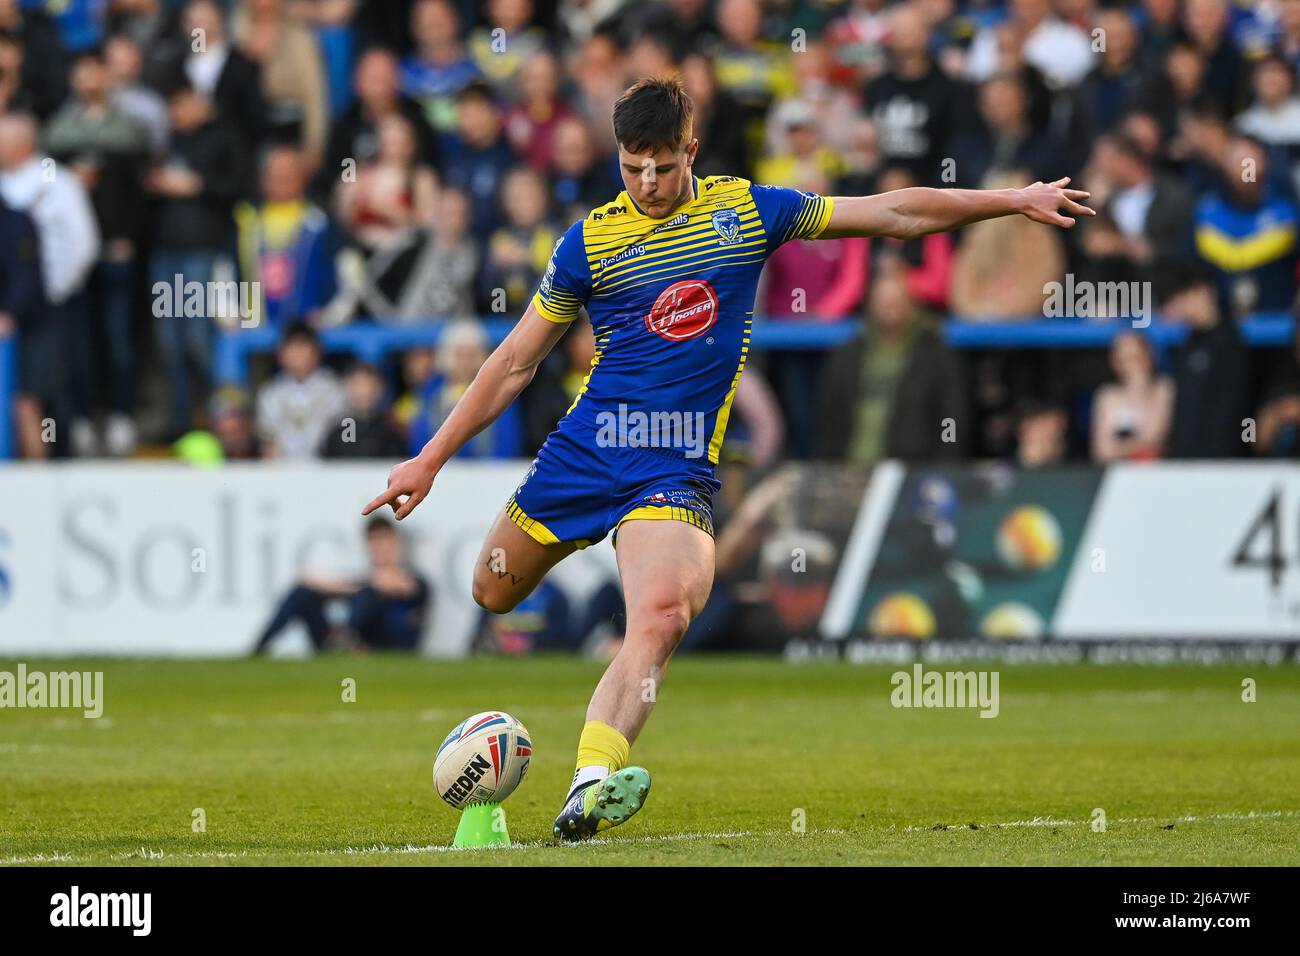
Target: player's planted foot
603, 804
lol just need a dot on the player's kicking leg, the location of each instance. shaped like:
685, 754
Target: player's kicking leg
667, 572
511, 564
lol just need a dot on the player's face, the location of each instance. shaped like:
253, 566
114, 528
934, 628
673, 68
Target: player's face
658, 182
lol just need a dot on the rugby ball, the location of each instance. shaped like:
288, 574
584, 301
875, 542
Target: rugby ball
482, 760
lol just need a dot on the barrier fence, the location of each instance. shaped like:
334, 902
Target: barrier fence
373, 343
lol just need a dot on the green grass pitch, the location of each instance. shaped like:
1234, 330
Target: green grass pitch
741, 751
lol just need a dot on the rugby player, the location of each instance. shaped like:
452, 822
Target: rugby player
667, 273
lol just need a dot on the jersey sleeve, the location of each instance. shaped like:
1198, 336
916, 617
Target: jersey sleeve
566, 283
791, 214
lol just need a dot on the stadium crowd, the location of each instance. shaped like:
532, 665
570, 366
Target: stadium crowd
413, 161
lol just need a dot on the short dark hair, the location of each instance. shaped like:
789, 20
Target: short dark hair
1182, 275
379, 525
653, 113
300, 332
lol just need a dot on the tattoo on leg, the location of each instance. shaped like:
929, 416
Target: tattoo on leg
492, 565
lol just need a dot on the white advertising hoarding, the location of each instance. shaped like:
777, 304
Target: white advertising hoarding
165, 559
1188, 550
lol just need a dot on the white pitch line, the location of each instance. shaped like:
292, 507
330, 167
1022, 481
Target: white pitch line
1051, 822
379, 849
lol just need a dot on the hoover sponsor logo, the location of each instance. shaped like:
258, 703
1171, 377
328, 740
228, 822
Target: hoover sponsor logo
683, 311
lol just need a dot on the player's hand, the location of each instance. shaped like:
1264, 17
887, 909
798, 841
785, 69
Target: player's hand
1043, 202
411, 480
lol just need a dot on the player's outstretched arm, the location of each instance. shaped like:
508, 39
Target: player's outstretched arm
919, 211
503, 376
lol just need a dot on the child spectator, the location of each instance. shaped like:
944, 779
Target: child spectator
303, 403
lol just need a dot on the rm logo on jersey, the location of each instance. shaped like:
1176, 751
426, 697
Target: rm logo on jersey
726, 223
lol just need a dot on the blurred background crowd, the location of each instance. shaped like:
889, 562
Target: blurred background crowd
410, 163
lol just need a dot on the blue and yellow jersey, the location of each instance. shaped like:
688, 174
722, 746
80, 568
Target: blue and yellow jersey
671, 303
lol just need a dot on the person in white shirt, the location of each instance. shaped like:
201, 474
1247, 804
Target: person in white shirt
301, 404
1059, 50
68, 238
57, 203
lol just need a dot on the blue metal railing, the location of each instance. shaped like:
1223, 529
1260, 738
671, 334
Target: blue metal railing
8, 390
373, 343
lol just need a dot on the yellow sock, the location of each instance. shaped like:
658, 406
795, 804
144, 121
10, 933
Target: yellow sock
601, 751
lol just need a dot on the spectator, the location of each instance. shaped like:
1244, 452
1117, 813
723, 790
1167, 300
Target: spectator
858, 42
129, 96
439, 68
825, 280
303, 403
1209, 370
1274, 116
354, 139
1061, 51
154, 26
1246, 232
195, 188
928, 259
505, 42
719, 122
1002, 265
286, 243
367, 430
386, 609
209, 63
894, 391
913, 104
230, 436
1289, 42
1145, 217
1206, 24
1279, 412
69, 247
531, 122
438, 271
1177, 87
581, 179
23, 312
418, 367
1130, 416
558, 383
107, 151
1040, 434
462, 350
332, 23
1006, 139
1114, 87
292, 75
36, 55
393, 194
751, 72
478, 157
806, 159
519, 250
